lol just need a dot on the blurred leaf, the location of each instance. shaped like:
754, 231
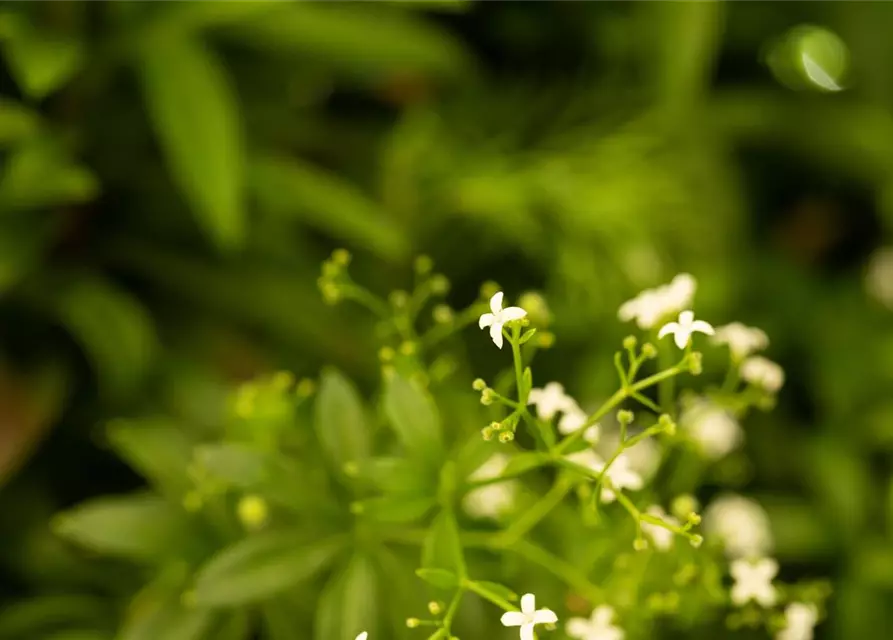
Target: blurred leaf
112, 327
16, 122
42, 63
356, 39
260, 566
196, 118
140, 527
398, 508
238, 464
288, 187
414, 417
440, 578
158, 450
442, 548
498, 589
84, 634
38, 174
237, 626
197, 14
349, 603
798, 529
399, 477
340, 422
31, 617
279, 620
842, 483
522, 462
158, 612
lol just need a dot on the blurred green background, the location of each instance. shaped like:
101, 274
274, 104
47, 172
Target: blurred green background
174, 173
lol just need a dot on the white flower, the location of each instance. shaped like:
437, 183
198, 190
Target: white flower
713, 429
492, 500
499, 317
653, 305
362, 636
644, 457
587, 458
528, 616
799, 622
572, 421
592, 434
741, 524
879, 278
762, 372
621, 476
550, 400
683, 329
753, 581
661, 537
742, 340
597, 627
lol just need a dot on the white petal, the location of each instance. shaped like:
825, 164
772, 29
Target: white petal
602, 615
496, 334
740, 595
363, 636
486, 320
545, 616
682, 337
670, 327
512, 313
578, 628
496, 302
686, 318
513, 619
528, 603
527, 632
703, 327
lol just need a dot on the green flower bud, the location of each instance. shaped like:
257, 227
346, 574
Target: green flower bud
412, 623
624, 416
408, 348
506, 436
435, 608
695, 364
253, 512
486, 397
649, 350
629, 342
684, 505
696, 540
640, 544
442, 314
423, 265
440, 284
487, 433
341, 257
478, 384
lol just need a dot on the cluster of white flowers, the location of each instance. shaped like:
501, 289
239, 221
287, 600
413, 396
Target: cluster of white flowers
753, 581
879, 278
654, 305
599, 626
528, 617
619, 475
714, 430
741, 339
763, 373
800, 620
740, 524
492, 501
551, 400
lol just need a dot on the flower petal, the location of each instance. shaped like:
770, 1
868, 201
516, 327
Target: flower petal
512, 313
496, 302
670, 327
513, 619
703, 327
496, 334
545, 616
527, 632
486, 320
681, 337
602, 615
578, 628
528, 603
686, 318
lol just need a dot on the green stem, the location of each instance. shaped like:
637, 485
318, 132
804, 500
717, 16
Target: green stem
362, 296
453, 609
474, 587
534, 514
666, 387
519, 365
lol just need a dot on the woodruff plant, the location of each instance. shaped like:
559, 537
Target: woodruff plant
589, 512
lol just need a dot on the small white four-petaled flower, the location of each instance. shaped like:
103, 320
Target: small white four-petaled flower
712, 428
742, 340
653, 305
597, 627
528, 616
753, 581
499, 317
799, 621
762, 372
683, 329
362, 636
740, 524
550, 400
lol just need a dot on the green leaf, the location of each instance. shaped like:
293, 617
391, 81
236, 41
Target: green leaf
261, 566
355, 39
158, 450
140, 527
37, 615
41, 63
349, 602
279, 620
39, 174
499, 590
183, 17
288, 187
158, 612
237, 464
196, 118
16, 122
79, 634
340, 421
522, 462
112, 327
442, 548
398, 508
414, 418
440, 578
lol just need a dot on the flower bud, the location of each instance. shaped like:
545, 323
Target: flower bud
684, 505
442, 314
649, 350
434, 608
408, 348
489, 289
629, 342
412, 623
341, 257
625, 416
479, 384
695, 364
487, 433
440, 284
696, 540
640, 544
253, 512
486, 397
506, 436
423, 265
537, 309
693, 519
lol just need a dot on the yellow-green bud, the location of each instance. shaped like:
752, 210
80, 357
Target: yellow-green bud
640, 544
486, 397
479, 384
442, 314
684, 505
305, 388
434, 608
487, 433
693, 519
408, 348
625, 416
331, 293
253, 512
537, 309
506, 436
341, 257
423, 265
412, 623
649, 350
696, 540
439, 284
629, 342
695, 364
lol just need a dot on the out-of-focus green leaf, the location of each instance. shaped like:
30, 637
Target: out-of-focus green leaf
140, 527
798, 530
158, 612
236, 463
83, 634
196, 117
157, 449
113, 329
38, 174
261, 566
349, 603
356, 39
279, 621
440, 578
398, 508
498, 589
340, 421
399, 477
183, 17
288, 187
16, 122
442, 548
29, 618
842, 482
42, 62
414, 417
